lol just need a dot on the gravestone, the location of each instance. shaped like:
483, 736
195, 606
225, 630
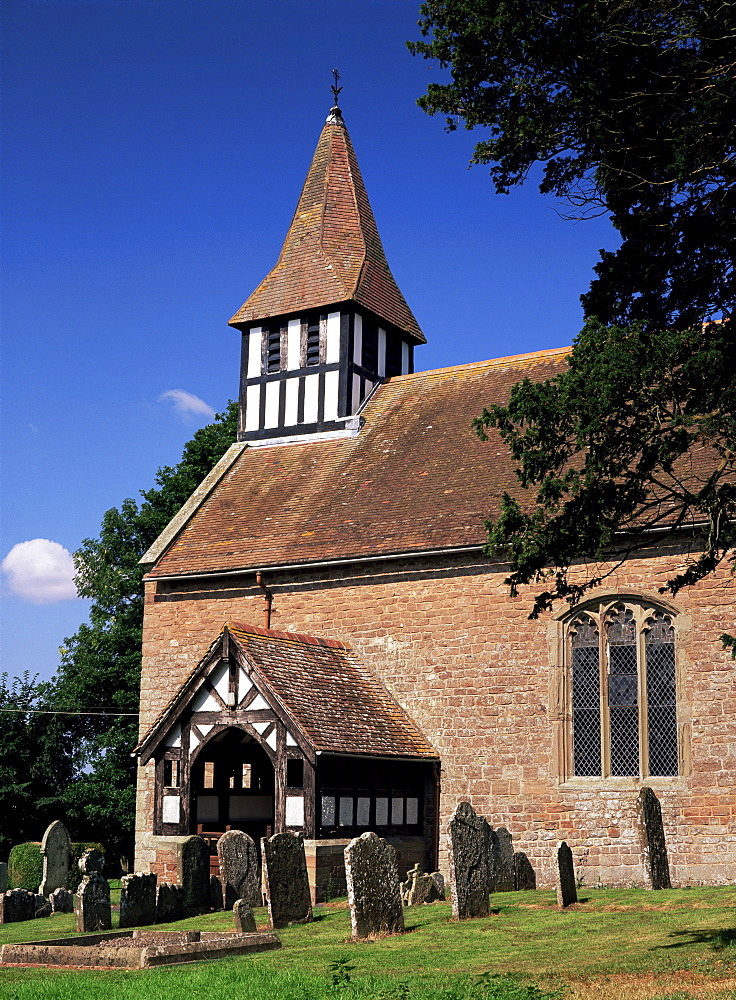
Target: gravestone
240, 868
567, 892
56, 848
41, 906
193, 870
93, 895
169, 901
62, 901
419, 888
374, 895
3, 876
503, 860
245, 922
491, 852
217, 893
287, 885
439, 880
468, 863
138, 899
651, 833
524, 876
17, 905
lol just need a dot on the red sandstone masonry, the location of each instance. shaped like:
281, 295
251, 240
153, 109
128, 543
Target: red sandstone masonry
474, 674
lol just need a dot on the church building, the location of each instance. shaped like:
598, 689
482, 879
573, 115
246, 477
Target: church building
328, 650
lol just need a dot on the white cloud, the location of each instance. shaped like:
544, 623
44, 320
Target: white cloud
186, 404
40, 571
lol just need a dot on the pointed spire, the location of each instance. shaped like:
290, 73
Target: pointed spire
332, 252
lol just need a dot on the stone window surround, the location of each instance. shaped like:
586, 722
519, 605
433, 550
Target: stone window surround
560, 692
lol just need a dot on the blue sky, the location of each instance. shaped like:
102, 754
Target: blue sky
153, 154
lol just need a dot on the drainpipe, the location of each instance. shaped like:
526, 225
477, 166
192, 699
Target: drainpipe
267, 599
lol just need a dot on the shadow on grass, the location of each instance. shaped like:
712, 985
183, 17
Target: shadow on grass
718, 939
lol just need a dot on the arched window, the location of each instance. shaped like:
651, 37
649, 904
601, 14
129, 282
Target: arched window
623, 691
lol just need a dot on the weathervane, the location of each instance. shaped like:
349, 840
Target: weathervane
334, 88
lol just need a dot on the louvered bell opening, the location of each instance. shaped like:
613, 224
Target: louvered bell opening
313, 343
273, 351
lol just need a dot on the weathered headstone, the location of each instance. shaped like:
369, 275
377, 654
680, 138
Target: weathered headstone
240, 868
439, 880
287, 884
138, 899
651, 833
419, 888
93, 895
524, 876
41, 906
217, 893
503, 860
567, 893
169, 901
62, 901
17, 905
245, 922
491, 852
373, 887
56, 848
3, 876
468, 863
193, 863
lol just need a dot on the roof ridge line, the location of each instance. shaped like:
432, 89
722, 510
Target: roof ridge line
297, 638
551, 352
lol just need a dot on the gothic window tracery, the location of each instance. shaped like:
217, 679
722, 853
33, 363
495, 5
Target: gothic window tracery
622, 675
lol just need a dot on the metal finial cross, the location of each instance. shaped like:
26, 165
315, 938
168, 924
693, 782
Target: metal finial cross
334, 88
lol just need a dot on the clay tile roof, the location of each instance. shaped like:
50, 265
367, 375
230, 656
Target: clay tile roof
332, 252
324, 688
415, 478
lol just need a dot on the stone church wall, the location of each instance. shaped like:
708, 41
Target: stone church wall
486, 685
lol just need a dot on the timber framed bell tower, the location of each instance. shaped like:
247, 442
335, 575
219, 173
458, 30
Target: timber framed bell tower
328, 322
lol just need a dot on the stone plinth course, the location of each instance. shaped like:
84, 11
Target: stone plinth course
469, 878
93, 895
56, 850
169, 902
651, 833
240, 868
137, 949
287, 885
138, 899
243, 917
567, 892
193, 864
17, 905
374, 893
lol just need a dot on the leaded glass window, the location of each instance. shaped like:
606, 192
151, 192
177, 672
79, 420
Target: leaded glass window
623, 691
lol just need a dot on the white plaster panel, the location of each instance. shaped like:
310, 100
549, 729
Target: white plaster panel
332, 347
412, 811
271, 740
244, 684
381, 351
257, 704
356, 392
293, 343
381, 812
193, 740
204, 702
311, 398
364, 811
332, 384
328, 810
291, 403
295, 810
260, 727
346, 810
404, 358
397, 811
255, 341
171, 809
272, 404
358, 340
204, 729
290, 741
252, 407
220, 680
173, 739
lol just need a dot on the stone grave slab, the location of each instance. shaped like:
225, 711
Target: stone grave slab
503, 860
93, 895
240, 868
287, 884
62, 901
243, 917
524, 875
17, 905
41, 906
374, 894
651, 833
468, 863
56, 850
169, 901
138, 899
567, 892
193, 872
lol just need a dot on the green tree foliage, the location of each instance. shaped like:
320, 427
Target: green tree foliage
100, 665
629, 108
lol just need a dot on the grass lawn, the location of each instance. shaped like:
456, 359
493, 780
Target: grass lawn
678, 944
